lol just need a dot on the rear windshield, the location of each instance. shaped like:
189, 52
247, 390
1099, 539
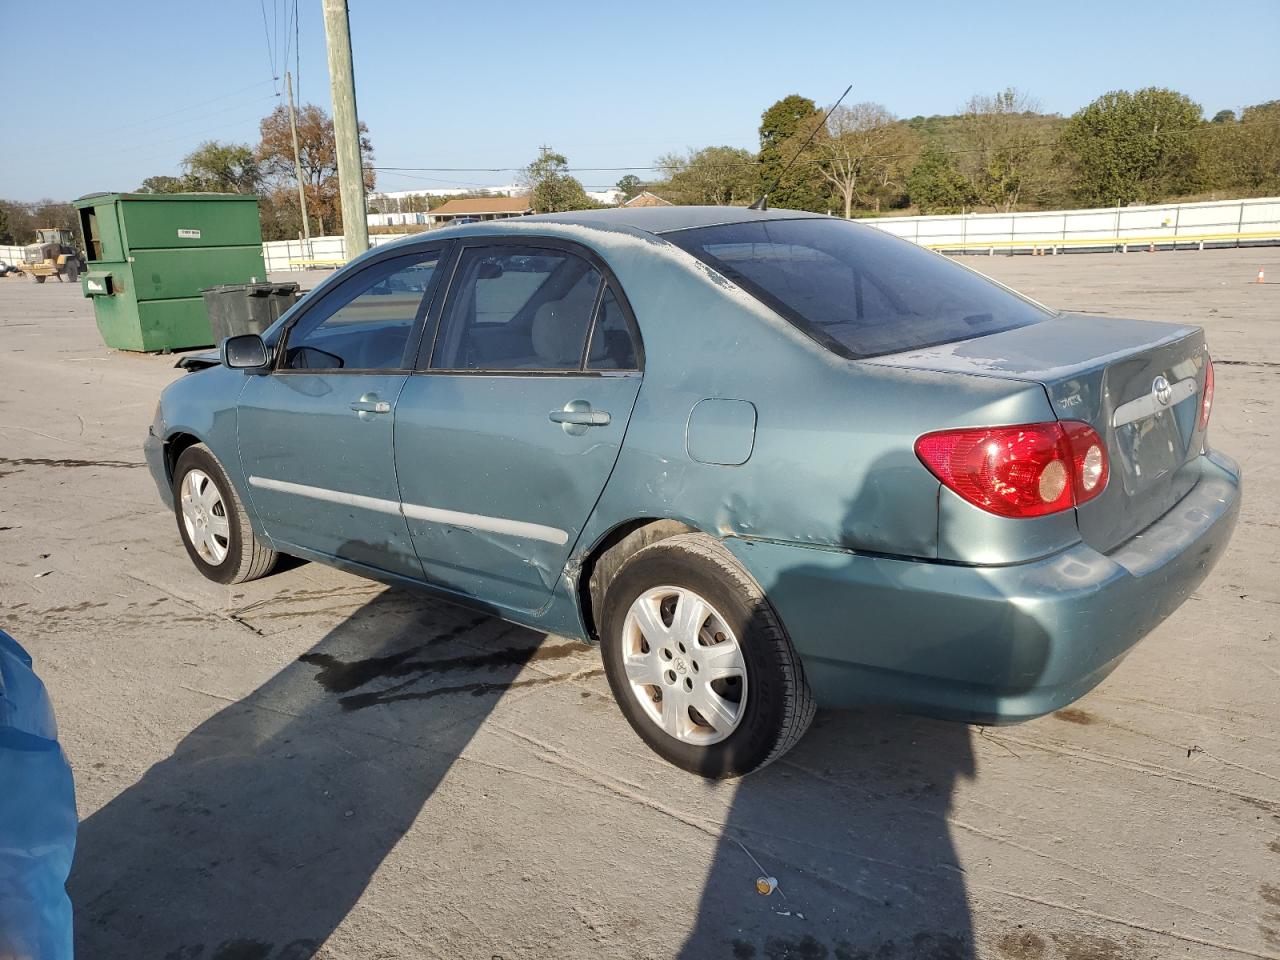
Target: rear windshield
856, 289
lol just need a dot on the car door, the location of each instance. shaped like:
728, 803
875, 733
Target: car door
507, 433
315, 434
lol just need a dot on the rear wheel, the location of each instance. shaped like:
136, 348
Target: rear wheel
212, 521
37, 278
698, 661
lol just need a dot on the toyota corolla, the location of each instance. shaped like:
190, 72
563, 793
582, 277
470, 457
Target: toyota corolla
766, 460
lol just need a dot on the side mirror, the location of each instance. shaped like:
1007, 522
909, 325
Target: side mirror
243, 352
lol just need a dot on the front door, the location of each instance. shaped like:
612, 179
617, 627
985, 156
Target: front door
506, 436
316, 434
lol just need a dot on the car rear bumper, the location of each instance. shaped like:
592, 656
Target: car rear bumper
153, 449
984, 643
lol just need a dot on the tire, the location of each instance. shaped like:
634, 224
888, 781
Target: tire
232, 554
774, 705
37, 279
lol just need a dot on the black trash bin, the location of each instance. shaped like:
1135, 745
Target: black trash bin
238, 308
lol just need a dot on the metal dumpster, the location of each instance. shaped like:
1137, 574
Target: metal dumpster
236, 308
150, 255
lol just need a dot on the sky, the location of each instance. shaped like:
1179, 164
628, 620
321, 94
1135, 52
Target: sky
134, 85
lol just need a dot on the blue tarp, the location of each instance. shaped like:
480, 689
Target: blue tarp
37, 817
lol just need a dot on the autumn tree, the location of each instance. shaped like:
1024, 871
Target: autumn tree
550, 187
1132, 147
319, 160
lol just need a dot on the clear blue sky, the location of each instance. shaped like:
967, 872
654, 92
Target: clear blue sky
482, 84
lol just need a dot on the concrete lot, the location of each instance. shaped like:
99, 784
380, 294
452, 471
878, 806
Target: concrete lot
313, 764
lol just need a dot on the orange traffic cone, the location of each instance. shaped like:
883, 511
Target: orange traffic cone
1262, 276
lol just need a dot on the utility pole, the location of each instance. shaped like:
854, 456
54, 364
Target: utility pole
297, 168
346, 127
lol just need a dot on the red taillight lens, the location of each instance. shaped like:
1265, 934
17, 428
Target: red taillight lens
1206, 401
1027, 470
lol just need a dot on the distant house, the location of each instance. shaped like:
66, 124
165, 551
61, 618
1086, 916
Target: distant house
480, 208
647, 199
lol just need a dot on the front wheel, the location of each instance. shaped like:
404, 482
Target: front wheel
698, 661
212, 521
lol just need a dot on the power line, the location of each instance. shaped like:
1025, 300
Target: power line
266, 33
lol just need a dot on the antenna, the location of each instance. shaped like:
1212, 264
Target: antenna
763, 202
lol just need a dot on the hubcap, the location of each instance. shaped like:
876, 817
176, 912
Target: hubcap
684, 665
205, 517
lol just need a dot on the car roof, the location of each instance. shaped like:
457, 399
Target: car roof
660, 220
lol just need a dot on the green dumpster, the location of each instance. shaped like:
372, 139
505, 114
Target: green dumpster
150, 255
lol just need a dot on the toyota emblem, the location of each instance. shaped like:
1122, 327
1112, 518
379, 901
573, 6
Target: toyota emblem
1161, 390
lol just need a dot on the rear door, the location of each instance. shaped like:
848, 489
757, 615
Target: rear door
316, 434
511, 426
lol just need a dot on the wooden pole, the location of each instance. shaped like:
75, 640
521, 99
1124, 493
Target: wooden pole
297, 168
346, 128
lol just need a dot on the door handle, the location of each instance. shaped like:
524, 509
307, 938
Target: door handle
585, 418
370, 404
577, 416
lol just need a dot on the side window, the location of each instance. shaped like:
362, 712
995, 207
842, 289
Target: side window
612, 347
367, 324
517, 308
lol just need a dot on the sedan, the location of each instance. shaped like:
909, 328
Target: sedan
766, 460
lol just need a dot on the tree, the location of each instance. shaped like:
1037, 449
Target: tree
721, 176
630, 185
162, 184
1133, 147
4, 226
783, 129
863, 154
550, 188
1244, 156
1224, 116
935, 185
215, 167
319, 158
1002, 149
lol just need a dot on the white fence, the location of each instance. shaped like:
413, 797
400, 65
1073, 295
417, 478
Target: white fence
320, 252
1214, 223
11, 255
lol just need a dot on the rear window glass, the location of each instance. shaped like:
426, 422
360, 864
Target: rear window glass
855, 289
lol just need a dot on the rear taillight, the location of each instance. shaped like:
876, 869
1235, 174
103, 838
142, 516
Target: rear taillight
1027, 470
1206, 401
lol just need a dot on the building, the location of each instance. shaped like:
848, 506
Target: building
647, 199
479, 208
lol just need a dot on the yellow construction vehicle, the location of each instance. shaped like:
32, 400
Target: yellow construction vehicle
52, 255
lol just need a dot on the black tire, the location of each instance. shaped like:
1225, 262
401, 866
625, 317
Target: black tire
37, 278
779, 705
247, 557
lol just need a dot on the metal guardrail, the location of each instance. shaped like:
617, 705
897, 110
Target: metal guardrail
1114, 243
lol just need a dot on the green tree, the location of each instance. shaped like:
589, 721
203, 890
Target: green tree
1224, 116
216, 167
720, 176
864, 156
936, 186
1244, 157
783, 129
163, 184
4, 226
630, 185
1001, 149
1133, 147
550, 188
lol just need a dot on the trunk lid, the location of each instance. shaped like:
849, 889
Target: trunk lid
1137, 383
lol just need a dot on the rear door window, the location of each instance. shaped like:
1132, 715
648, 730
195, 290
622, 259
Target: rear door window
855, 289
518, 308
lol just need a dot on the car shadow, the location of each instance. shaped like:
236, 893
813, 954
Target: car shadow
258, 835
852, 824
